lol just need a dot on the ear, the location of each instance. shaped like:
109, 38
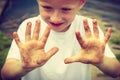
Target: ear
82, 3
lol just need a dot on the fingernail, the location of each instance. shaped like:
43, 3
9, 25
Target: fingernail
37, 21
29, 23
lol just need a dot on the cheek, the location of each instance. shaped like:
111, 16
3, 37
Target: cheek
70, 17
43, 14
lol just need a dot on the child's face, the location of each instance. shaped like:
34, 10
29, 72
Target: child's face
59, 14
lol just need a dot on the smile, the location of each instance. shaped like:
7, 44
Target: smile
56, 24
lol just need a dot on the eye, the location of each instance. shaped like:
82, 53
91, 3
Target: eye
66, 9
47, 7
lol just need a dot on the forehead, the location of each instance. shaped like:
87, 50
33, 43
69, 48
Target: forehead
59, 2
69, 1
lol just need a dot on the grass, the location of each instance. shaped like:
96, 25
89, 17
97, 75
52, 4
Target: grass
115, 42
118, 56
115, 36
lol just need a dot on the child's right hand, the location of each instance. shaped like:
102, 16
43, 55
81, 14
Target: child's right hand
32, 50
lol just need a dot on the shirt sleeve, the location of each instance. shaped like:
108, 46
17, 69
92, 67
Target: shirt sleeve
108, 51
14, 50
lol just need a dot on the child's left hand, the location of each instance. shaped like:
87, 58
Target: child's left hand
92, 48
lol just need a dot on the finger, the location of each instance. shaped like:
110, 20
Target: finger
28, 31
95, 28
80, 39
45, 35
36, 30
52, 52
48, 55
17, 40
72, 59
108, 34
86, 27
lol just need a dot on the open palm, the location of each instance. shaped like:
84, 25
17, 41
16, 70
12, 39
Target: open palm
32, 50
92, 48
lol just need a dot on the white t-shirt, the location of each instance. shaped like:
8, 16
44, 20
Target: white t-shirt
55, 68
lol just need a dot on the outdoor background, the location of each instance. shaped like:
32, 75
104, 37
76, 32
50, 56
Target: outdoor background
107, 12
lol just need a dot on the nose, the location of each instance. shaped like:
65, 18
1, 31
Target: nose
56, 17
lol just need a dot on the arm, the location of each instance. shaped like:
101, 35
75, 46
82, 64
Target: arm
32, 53
93, 49
13, 70
110, 66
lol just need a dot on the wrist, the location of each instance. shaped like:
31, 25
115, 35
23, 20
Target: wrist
101, 63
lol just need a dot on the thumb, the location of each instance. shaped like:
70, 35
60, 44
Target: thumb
51, 52
72, 59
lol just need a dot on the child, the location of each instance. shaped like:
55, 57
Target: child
60, 45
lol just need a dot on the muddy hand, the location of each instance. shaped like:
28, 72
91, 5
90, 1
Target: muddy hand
92, 48
32, 50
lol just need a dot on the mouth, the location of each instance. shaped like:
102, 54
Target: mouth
56, 24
